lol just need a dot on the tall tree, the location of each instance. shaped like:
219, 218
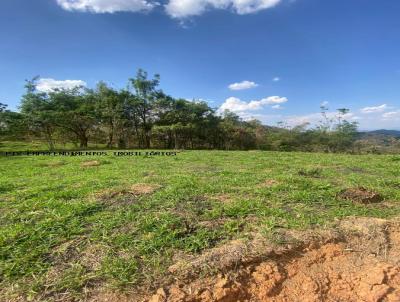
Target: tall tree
342, 112
141, 115
74, 111
110, 111
38, 112
12, 125
3, 107
146, 94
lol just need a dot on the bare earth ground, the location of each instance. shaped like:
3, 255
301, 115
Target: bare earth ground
357, 261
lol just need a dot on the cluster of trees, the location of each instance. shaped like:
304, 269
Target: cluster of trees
143, 116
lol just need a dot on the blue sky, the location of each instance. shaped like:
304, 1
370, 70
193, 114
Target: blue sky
276, 60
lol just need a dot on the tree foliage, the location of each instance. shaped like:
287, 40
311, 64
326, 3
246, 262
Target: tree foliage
143, 116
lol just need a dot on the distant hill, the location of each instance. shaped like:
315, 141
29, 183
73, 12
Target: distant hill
382, 132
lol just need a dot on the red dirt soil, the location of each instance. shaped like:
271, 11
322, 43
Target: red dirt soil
364, 265
356, 260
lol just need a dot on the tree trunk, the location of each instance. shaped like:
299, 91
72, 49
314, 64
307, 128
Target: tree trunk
49, 139
147, 140
83, 142
50, 143
111, 136
121, 143
110, 140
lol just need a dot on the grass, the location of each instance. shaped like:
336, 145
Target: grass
40, 146
61, 235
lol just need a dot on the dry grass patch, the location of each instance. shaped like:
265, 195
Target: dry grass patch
212, 224
144, 189
92, 163
125, 196
360, 195
224, 198
68, 251
68, 266
110, 193
53, 164
93, 255
269, 183
115, 196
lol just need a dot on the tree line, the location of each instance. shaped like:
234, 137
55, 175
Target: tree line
143, 116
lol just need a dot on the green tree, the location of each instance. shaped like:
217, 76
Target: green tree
3, 107
237, 133
184, 123
110, 112
38, 112
12, 125
145, 95
74, 111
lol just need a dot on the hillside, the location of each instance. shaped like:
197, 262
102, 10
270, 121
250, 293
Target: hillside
382, 132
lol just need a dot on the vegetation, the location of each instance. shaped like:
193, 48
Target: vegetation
118, 223
143, 116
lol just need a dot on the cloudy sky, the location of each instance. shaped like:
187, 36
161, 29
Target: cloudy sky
275, 60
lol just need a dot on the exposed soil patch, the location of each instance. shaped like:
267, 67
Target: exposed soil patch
361, 195
53, 164
93, 255
143, 189
126, 196
116, 197
224, 198
359, 261
212, 224
269, 183
92, 163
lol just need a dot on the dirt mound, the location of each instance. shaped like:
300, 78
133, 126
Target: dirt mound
361, 195
359, 261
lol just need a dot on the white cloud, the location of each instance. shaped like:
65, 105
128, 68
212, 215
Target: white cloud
188, 8
274, 100
238, 106
48, 85
393, 115
276, 79
107, 6
254, 110
175, 8
264, 118
316, 118
375, 109
242, 85
277, 107
324, 103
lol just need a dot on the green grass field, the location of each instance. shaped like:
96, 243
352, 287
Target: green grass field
66, 229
